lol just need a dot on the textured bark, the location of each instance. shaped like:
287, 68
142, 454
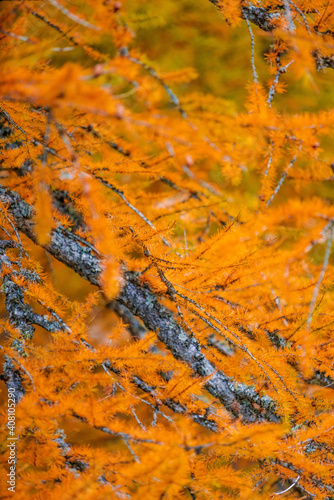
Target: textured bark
257, 15
267, 20
13, 379
239, 399
20, 314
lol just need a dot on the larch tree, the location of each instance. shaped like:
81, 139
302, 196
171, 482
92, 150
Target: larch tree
166, 225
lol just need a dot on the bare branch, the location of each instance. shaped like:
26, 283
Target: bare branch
256, 79
289, 488
282, 179
72, 16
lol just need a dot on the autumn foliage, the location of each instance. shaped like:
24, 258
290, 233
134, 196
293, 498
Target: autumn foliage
166, 226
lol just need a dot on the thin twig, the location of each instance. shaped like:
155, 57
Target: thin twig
269, 163
121, 195
301, 13
72, 16
280, 70
126, 441
256, 79
321, 275
289, 488
10, 119
18, 37
172, 292
143, 428
279, 185
174, 99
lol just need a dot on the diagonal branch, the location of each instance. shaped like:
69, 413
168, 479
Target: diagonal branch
321, 275
238, 398
138, 298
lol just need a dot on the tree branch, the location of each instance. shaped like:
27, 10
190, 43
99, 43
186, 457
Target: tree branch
267, 21
238, 398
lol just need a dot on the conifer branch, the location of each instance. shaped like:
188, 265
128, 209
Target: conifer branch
23, 317
267, 21
322, 274
237, 398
